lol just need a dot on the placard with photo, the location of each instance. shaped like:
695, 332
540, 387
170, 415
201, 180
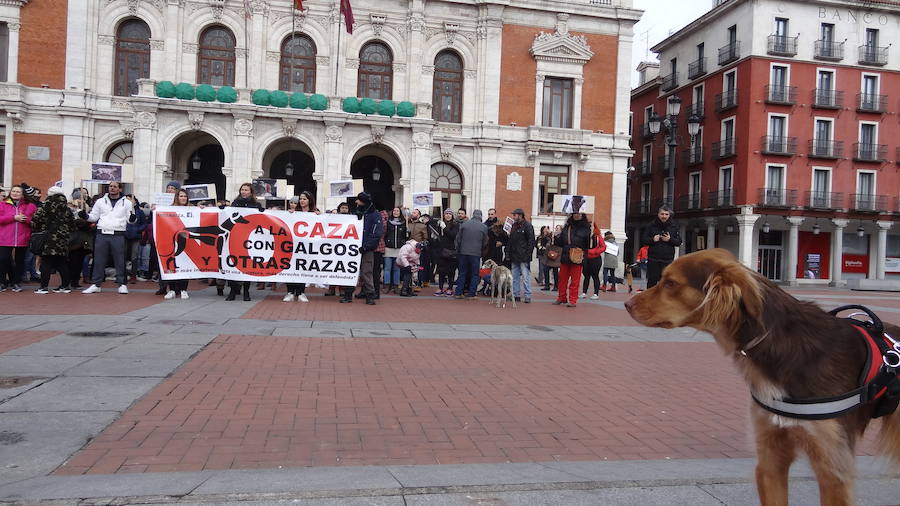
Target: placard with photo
200, 191
265, 188
106, 172
573, 204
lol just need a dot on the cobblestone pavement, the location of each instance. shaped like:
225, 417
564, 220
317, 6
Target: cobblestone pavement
414, 401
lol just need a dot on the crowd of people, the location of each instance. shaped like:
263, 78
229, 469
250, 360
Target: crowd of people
109, 237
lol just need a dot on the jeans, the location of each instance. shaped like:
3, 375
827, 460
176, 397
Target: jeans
609, 276
30, 260
391, 271
569, 279
468, 272
105, 247
406, 279
520, 270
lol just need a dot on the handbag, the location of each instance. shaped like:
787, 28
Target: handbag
552, 253
576, 255
37, 242
448, 254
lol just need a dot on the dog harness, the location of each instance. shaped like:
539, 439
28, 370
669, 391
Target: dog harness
879, 380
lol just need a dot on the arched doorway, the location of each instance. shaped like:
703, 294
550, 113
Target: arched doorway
292, 160
198, 158
448, 180
379, 169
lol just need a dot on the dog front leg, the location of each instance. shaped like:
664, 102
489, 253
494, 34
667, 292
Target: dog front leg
830, 455
775, 453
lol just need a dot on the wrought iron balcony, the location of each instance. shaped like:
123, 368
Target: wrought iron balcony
691, 202
665, 164
726, 100
697, 68
693, 156
729, 53
669, 82
868, 152
782, 45
828, 50
827, 98
779, 94
779, 145
819, 148
873, 55
696, 109
824, 200
720, 199
777, 197
870, 102
644, 168
724, 148
868, 202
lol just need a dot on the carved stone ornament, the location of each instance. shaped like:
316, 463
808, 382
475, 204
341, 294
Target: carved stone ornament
146, 119
378, 21
273, 56
14, 27
163, 169
334, 133
128, 126
415, 22
218, 8
288, 126
189, 48
121, 105
539, 77
399, 67
471, 73
240, 52
323, 60
428, 70
133, 6
450, 30
195, 118
557, 155
377, 133
17, 119
561, 46
157, 44
260, 7
446, 151
106, 40
421, 140
352, 63
243, 126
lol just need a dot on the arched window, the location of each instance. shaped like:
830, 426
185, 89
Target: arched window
216, 62
376, 72
446, 179
120, 153
448, 87
132, 56
298, 65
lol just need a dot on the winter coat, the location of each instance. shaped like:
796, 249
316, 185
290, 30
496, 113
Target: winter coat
448, 235
57, 220
472, 238
133, 230
381, 247
247, 202
13, 233
661, 251
495, 235
112, 217
408, 256
395, 233
610, 261
575, 234
373, 228
418, 231
521, 242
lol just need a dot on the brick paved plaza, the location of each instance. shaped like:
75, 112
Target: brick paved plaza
176, 388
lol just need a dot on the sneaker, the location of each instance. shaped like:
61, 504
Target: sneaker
42, 290
439, 293
558, 302
288, 298
517, 299
91, 289
302, 298
582, 296
170, 295
62, 289
527, 300
3, 288
595, 297
123, 289
16, 288
460, 297
570, 305
184, 295
142, 278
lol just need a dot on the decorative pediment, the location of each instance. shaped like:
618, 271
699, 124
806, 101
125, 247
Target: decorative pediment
561, 46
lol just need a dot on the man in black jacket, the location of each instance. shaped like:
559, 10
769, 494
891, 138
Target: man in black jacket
521, 251
373, 229
662, 237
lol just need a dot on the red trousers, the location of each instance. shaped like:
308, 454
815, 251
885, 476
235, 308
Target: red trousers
569, 279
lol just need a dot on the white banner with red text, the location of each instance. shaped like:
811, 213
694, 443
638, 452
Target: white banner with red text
241, 244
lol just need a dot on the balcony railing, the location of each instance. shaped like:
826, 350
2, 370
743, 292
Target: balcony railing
777, 197
665, 164
721, 198
779, 94
870, 102
873, 55
689, 202
669, 82
828, 50
868, 202
726, 100
696, 109
729, 53
693, 156
782, 45
696, 68
868, 152
820, 148
826, 98
644, 168
824, 200
724, 148
779, 145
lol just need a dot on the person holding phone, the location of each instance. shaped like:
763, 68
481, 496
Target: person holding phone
661, 237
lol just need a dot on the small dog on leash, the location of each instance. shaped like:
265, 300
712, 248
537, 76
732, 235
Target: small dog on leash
501, 283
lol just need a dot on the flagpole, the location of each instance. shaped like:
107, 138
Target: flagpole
337, 66
246, 51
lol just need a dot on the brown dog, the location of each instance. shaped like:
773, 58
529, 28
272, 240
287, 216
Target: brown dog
785, 349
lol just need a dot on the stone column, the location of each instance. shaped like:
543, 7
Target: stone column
790, 262
335, 168
417, 177
881, 247
256, 56
746, 231
535, 155
144, 152
837, 251
490, 41
171, 64
12, 63
241, 169
710, 233
415, 28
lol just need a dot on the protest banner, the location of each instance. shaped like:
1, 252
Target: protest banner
241, 244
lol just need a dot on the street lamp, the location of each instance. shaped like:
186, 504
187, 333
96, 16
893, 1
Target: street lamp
860, 231
815, 228
196, 162
376, 174
670, 122
766, 227
289, 169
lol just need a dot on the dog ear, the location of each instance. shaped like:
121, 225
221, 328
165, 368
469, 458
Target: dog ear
732, 295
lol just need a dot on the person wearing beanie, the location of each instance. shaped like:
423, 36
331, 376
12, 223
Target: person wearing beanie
373, 229
471, 241
173, 186
54, 218
521, 251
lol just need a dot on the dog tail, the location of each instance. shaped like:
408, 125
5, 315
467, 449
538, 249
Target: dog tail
889, 438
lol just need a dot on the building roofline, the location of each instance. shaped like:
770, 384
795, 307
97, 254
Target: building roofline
704, 19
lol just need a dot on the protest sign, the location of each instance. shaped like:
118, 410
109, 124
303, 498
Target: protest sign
163, 199
242, 244
573, 204
508, 224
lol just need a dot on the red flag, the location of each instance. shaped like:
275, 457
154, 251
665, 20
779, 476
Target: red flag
347, 11
298, 4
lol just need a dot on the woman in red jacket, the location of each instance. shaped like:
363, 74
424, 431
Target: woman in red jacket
15, 232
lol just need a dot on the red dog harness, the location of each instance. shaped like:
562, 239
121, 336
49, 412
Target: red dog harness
879, 379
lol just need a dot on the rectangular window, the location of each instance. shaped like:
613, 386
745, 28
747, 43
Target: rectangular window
553, 180
4, 53
725, 188
558, 99
821, 183
694, 195
868, 135
673, 65
700, 51
823, 140
869, 87
645, 197
827, 34
728, 129
647, 159
729, 82
865, 190
871, 38
668, 190
777, 134
775, 185
781, 27
732, 34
